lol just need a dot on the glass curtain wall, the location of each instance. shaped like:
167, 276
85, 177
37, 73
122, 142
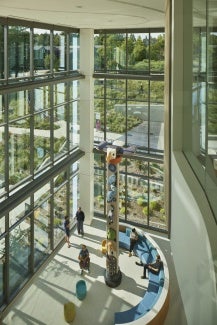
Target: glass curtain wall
39, 139
201, 147
129, 107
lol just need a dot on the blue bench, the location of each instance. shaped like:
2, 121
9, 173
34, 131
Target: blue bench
143, 248
147, 254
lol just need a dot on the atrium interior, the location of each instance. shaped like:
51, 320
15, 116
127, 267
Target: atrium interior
139, 73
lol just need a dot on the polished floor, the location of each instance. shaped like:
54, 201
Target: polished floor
43, 302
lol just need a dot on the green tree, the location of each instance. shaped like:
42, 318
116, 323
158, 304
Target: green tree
55, 62
139, 51
157, 48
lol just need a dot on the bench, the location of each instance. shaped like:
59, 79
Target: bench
143, 248
157, 294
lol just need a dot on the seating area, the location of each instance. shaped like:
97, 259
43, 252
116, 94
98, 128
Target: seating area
153, 307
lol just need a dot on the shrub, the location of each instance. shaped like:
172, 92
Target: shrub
57, 222
145, 210
163, 218
99, 198
155, 205
141, 201
122, 210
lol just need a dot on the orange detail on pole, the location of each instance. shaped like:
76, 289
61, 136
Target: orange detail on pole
115, 161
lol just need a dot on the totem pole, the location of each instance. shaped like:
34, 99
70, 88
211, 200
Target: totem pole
112, 273
114, 154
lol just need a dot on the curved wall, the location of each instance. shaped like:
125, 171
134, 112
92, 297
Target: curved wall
194, 244
193, 229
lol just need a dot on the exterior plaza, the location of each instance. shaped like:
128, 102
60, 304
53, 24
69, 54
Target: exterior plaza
78, 79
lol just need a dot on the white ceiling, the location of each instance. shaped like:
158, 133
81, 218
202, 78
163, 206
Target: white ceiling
97, 14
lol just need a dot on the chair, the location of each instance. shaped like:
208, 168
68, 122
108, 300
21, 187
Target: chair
81, 289
69, 312
104, 242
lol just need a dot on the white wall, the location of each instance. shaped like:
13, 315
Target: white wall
194, 245
193, 229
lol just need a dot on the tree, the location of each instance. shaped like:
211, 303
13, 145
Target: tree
157, 48
139, 51
55, 62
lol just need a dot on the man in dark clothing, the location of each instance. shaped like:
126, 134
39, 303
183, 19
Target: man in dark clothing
133, 239
152, 267
67, 229
80, 221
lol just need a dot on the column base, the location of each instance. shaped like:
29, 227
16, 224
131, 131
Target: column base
114, 280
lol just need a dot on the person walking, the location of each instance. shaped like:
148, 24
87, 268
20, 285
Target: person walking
67, 230
133, 239
80, 216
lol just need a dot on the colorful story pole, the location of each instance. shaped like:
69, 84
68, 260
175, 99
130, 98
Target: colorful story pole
114, 154
112, 273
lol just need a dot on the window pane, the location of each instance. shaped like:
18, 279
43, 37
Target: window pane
2, 158
42, 98
60, 206
19, 255
74, 124
99, 120
137, 113
60, 131
116, 52
156, 130
2, 270
157, 52
137, 191
74, 42
59, 93
59, 51
156, 196
19, 212
18, 103
99, 52
2, 76
2, 108
41, 51
42, 139
138, 46
73, 189
18, 51
19, 151
115, 109
74, 90
99, 174
41, 224
2, 225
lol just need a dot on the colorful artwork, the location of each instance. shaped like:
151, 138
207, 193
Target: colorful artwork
114, 155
